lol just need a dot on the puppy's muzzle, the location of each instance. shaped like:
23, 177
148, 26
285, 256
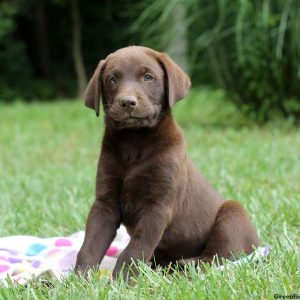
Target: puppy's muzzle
128, 103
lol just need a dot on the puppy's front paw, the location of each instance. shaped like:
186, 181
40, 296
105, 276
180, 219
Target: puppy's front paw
127, 273
82, 271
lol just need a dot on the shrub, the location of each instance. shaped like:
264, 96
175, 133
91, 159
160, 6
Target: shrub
251, 48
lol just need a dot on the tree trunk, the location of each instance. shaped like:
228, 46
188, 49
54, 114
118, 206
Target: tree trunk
76, 48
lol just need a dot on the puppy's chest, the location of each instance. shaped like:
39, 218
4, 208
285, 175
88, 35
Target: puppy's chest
137, 187
132, 153
131, 208
136, 197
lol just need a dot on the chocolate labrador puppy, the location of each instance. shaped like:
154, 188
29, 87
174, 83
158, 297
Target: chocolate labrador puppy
145, 179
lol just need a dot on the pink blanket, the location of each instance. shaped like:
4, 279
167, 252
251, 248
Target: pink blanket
25, 257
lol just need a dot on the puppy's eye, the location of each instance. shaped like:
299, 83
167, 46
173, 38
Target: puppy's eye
148, 77
112, 79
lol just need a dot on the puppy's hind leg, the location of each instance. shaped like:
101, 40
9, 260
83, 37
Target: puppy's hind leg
231, 234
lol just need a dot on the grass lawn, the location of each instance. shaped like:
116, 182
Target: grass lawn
48, 156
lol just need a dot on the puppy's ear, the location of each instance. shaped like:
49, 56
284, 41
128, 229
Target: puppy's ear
178, 82
93, 91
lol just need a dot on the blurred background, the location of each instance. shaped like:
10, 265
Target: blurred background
248, 48
240, 120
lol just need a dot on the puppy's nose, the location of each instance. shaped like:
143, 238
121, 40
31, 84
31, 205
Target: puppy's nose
128, 103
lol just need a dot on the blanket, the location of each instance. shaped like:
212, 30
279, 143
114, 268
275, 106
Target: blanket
26, 257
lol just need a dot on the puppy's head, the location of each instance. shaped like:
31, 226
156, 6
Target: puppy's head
136, 85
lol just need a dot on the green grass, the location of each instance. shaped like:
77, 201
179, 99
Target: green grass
48, 155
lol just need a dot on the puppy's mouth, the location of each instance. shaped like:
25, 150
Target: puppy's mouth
133, 122
143, 115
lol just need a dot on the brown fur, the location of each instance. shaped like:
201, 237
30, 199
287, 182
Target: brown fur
145, 179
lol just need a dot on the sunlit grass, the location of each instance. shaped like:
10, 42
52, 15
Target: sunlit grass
48, 155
